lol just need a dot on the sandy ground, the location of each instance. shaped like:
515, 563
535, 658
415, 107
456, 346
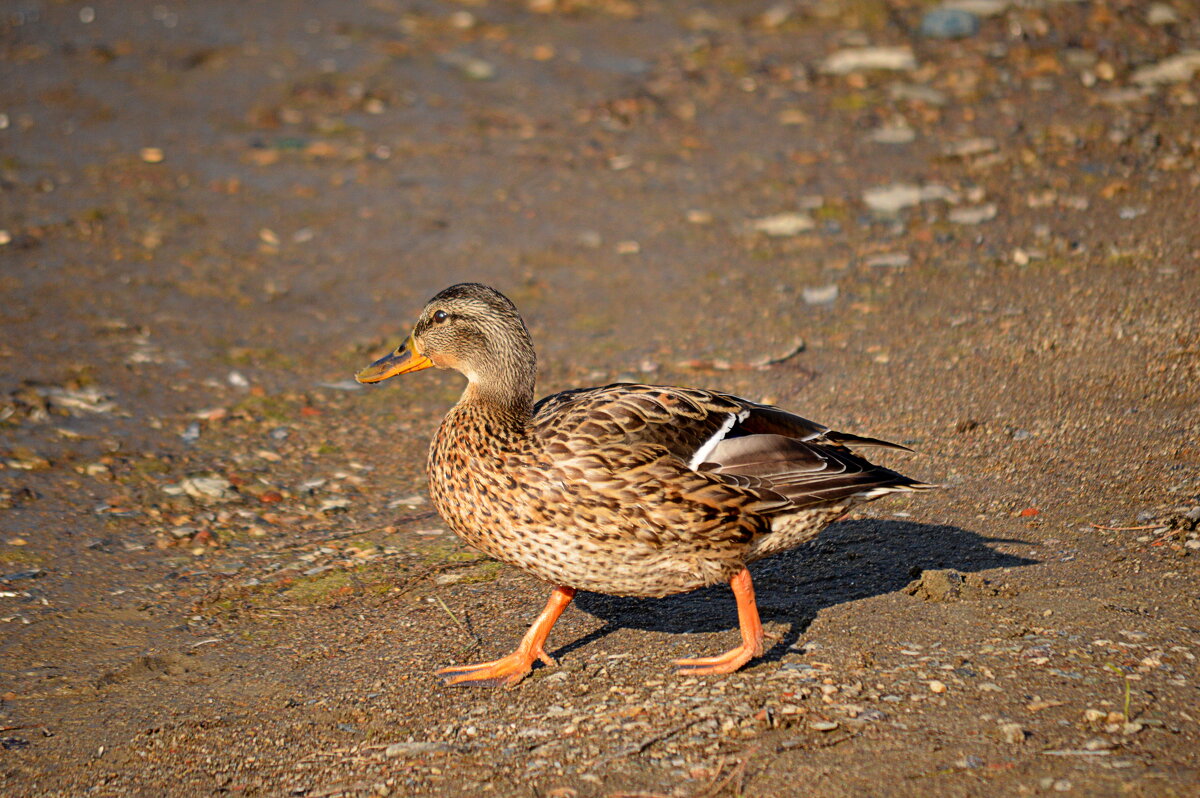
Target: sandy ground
218, 570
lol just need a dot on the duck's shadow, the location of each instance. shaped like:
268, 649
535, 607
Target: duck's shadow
849, 561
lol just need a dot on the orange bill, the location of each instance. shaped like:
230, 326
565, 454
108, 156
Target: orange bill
402, 361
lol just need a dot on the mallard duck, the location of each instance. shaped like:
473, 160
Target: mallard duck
629, 490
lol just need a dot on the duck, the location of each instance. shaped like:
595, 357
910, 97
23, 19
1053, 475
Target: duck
624, 489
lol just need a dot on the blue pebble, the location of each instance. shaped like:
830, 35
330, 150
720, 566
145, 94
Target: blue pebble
949, 23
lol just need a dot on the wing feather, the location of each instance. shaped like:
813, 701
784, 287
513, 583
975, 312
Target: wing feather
778, 461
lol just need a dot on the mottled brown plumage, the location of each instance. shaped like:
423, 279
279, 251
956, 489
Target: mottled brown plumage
632, 490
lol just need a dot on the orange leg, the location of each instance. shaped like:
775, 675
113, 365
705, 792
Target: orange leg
512, 669
752, 634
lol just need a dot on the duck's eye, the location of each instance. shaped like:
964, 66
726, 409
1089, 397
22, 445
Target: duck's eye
440, 316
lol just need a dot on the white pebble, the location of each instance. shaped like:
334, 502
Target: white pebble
821, 295
860, 59
783, 224
1012, 733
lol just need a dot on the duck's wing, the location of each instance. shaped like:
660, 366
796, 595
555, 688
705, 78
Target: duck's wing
799, 474
681, 420
781, 461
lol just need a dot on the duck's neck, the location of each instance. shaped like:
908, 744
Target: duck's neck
502, 406
503, 389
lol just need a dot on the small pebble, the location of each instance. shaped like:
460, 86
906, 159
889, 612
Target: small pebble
1161, 14
894, 260
200, 487
335, 504
893, 134
918, 93
1012, 733
937, 686
1176, 69
470, 67
973, 214
821, 295
412, 749
782, 225
152, 155
980, 8
823, 725
462, 20
949, 23
182, 532
892, 198
861, 59
793, 116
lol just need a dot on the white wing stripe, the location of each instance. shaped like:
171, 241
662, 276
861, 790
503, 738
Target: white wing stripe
707, 448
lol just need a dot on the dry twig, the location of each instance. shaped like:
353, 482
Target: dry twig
637, 748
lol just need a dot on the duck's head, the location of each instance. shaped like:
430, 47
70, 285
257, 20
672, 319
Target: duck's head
471, 328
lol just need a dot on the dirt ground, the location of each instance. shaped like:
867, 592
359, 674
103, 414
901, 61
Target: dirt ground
219, 573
